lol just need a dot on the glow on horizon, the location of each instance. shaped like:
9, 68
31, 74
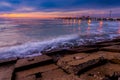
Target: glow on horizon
100, 13
44, 14
27, 15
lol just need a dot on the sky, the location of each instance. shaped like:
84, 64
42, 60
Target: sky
58, 8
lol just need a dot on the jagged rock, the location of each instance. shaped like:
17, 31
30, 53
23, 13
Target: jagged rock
105, 72
113, 57
117, 60
72, 65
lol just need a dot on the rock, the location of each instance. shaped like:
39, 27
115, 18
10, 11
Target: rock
53, 74
115, 48
31, 77
32, 62
69, 77
113, 57
6, 71
71, 65
9, 60
35, 71
119, 78
84, 49
104, 44
116, 61
105, 72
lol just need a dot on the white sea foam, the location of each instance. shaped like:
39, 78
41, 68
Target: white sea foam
35, 48
32, 48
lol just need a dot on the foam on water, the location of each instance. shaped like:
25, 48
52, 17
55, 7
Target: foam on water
35, 48
31, 48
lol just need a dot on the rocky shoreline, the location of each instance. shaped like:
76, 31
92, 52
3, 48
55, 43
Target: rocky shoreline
100, 61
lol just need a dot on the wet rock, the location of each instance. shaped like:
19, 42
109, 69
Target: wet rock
115, 76
35, 71
84, 49
113, 57
31, 77
105, 44
115, 48
32, 62
72, 65
6, 72
53, 74
6, 61
69, 77
105, 72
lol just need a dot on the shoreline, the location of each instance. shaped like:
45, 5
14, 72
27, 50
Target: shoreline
82, 63
70, 43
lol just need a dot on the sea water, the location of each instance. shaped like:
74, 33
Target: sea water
30, 37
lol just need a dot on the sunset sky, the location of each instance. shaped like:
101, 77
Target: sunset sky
55, 8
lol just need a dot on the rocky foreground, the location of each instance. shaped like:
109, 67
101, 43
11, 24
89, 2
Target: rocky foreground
100, 61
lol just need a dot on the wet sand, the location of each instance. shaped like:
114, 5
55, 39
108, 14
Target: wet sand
100, 61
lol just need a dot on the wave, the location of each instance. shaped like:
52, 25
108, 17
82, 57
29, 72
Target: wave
65, 42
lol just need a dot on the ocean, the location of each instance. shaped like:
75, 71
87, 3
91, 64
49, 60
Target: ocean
30, 37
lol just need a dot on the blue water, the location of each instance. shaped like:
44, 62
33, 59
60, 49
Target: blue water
30, 37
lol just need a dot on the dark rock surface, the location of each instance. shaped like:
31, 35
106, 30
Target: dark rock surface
76, 63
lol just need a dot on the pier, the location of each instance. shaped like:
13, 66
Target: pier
90, 18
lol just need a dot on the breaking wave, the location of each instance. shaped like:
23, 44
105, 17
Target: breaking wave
65, 42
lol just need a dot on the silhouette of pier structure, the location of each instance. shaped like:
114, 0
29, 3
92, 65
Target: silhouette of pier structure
91, 18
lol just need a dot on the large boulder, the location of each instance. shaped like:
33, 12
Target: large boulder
78, 62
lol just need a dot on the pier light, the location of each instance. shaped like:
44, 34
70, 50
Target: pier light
101, 23
79, 21
100, 26
89, 21
74, 21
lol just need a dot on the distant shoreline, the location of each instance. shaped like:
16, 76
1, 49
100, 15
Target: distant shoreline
90, 18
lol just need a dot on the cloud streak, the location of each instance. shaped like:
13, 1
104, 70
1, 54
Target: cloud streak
25, 9
61, 7
92, 12
5, 4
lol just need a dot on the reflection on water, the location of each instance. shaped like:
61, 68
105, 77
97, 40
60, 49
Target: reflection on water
118, 28
13, 31
89, 21
100, 26
88, 28
79, 21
